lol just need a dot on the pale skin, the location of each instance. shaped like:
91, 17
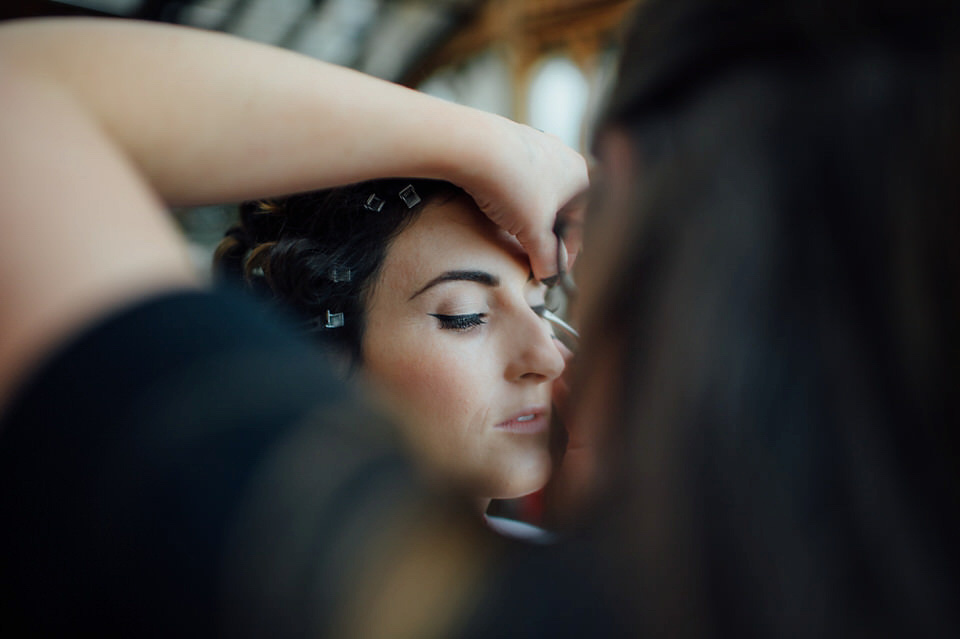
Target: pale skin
456, 338
105, 122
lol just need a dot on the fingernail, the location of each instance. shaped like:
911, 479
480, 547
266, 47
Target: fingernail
562, 256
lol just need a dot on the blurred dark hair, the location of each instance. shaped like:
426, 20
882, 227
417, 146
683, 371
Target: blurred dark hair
786, 299
321, 251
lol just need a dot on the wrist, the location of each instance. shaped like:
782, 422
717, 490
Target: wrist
466, 145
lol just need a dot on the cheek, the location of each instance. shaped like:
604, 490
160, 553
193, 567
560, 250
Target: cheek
439, 387
450, 393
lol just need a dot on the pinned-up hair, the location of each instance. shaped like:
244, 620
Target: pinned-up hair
319, 253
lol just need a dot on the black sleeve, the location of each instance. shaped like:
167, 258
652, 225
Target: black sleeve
132, 460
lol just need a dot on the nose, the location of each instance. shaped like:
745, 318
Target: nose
534, 355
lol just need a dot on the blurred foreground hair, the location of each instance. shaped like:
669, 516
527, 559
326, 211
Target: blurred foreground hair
784, 307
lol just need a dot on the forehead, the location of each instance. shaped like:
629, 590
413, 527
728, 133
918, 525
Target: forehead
448, 235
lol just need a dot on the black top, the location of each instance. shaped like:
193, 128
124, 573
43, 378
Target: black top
189, 467
127, 460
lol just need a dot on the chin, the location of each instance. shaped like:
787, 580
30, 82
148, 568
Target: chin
526, 477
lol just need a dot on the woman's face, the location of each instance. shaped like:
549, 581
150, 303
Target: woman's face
455, 338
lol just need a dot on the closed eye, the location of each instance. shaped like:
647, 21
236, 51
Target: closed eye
460, 322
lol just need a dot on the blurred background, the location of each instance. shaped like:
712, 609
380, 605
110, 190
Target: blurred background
547, 63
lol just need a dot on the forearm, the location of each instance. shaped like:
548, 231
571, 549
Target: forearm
80, 230
207, 117
99, 117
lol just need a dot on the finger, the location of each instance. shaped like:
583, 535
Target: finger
560, 391
569, 227
542, 248
574, 483
563, 258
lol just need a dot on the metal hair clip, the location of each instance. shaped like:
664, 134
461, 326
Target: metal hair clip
409, 196
340, 274
334, 320
374, 203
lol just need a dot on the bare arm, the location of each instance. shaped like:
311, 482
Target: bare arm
104, 121
80, 230
207, 117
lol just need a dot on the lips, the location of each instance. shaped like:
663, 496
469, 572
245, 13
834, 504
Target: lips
535, 419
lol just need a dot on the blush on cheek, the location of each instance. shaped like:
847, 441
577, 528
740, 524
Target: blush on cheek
448, 414
443, 408
428, 393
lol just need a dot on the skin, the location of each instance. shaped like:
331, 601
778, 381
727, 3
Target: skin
123, 116
460, 387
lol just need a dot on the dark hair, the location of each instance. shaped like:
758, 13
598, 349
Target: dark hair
320, 252
786, 302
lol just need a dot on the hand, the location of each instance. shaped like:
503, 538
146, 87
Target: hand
580, 477
574, 459
528, 178
561, 385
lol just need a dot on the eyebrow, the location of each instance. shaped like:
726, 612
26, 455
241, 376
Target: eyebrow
481, 277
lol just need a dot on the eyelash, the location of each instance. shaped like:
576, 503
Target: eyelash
460, 322
465, 322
